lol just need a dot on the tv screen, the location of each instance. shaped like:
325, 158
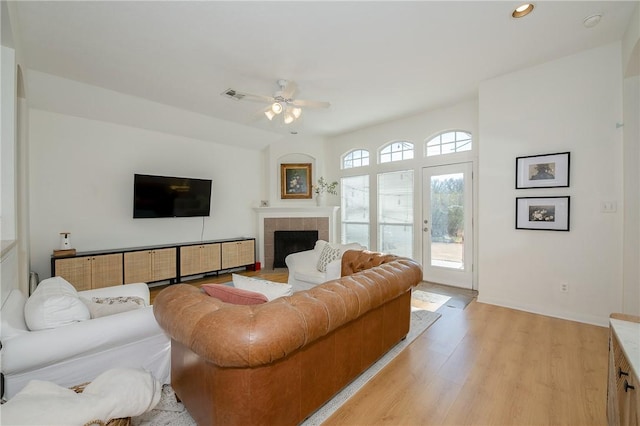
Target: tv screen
165, 196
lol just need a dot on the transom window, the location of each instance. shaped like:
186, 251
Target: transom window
356, 158
448, 143
396, 151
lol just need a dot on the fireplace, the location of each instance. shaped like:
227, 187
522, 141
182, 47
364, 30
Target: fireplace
287, 242
271, 219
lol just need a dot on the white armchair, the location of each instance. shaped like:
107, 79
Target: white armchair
303, 266
78, 352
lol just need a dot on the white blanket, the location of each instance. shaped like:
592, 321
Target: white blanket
116, 393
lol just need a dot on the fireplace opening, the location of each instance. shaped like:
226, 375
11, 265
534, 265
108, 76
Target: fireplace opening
287, 242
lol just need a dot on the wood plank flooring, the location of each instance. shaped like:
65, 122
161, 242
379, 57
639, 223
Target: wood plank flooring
486, 365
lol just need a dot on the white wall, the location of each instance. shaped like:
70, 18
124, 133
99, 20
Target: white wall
572, 104
8, 146
631, 129
81, 181
631, 242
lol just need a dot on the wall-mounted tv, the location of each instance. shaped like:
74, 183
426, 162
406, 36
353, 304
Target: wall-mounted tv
166, 196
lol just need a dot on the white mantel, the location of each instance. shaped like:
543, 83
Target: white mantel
330, 212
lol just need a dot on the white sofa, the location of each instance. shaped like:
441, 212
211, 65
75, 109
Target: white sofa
303, 266
78, 352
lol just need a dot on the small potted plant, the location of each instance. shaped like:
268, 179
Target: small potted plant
323, 187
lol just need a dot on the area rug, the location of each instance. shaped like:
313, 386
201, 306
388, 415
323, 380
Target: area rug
169, 412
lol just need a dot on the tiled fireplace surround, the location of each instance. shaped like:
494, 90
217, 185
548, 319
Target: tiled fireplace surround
320, 224
270, 219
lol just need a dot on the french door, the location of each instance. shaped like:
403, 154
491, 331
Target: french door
447, 218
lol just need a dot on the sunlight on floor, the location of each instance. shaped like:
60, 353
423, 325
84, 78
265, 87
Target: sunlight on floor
424, 300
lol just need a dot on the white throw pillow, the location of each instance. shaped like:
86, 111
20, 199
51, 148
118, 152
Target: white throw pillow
328, 255
268, 288
54, 303
104, 306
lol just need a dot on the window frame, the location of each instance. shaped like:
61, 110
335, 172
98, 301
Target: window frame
403, 151
353, 151
454, 142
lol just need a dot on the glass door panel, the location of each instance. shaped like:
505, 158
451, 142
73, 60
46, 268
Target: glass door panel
447, 219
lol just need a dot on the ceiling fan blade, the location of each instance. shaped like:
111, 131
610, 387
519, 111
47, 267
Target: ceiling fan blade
289, 89
256, 98
239, 96
310, 104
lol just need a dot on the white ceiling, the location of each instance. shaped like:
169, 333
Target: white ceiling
374, 61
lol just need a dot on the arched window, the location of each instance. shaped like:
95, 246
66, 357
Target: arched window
448, 143
356, 158
396, 151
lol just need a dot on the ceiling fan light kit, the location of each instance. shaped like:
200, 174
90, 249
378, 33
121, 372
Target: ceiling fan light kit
281, 103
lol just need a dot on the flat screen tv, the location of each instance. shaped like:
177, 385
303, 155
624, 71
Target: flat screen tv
166, 196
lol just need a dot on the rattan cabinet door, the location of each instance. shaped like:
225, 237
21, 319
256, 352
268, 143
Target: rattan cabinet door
190, 260
76, 270
238, 253
210, 259
247, 252
137, 267
106, 270
164, 264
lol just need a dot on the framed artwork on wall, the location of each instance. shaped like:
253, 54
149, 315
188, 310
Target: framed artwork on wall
543, 171
295, 181
543, 213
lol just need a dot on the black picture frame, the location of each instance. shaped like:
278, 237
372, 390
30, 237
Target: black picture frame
543, 213
543, 171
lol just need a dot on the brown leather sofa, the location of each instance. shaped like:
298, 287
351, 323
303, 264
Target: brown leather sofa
278, 362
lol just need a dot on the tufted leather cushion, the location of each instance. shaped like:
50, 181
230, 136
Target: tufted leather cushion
360, 260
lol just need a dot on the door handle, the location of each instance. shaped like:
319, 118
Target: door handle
425, 229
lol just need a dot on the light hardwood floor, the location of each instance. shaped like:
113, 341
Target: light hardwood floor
487, 365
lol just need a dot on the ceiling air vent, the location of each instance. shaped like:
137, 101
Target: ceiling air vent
231, 93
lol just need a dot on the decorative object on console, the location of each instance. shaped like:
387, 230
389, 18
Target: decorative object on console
65, 246
543, 213
65, 240
295, 181
543, 171
323, 186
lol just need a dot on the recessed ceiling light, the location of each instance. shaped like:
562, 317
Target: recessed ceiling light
523, 10
592, 21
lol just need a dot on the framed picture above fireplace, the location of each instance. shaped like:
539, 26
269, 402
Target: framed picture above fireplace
295, 181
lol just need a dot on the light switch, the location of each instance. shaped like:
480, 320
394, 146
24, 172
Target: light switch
609, 207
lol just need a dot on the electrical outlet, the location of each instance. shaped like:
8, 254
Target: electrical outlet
564, 287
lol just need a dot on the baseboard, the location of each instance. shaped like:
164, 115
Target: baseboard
572, 316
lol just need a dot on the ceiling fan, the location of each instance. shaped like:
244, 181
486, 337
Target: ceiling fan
282, 103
